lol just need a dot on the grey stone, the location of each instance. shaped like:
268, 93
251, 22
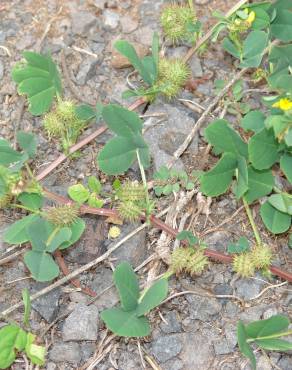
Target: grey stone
167, 136
231, 334
167, 347
285, 362
222, 347
196, 66
248, 288
87, 70
144, 35
231, 309
111, 19
173, 325
252, 313
203, 308
51, 366
177, 52
174, 364
218, 240
197, 352
1, 70
128, 24
48, 305
103, 278
87, 350
81, 324
129, 361
271, 311
82, 21
133, 250
65, 352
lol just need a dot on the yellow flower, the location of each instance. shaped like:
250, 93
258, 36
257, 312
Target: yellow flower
283, 104
251, 17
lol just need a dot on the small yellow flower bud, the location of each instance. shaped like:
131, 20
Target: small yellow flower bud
284, 104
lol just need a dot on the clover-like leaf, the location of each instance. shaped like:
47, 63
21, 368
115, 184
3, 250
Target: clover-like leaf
244, 346
263, 149
241, 187
127, 284
78, 193
77, 229
260, 183
225, 139
7, 154
218, 179
286, 166
253, 49
34, 352
39, 79
17, 232
33, 201
125, 323
12, 339
262, 328
275, 221
239, 247
253, 121
41, 265
153, 297
27, 142
282, 202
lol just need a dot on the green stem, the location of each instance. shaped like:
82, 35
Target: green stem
25, 208
144, 182
272, 336
251, 220
191, 4
29, 171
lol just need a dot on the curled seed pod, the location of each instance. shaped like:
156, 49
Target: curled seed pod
179, 259
172, 76
131, 192
175, 20
53, 125
129, 211
197, 263
62, 216
261, 256
243, 265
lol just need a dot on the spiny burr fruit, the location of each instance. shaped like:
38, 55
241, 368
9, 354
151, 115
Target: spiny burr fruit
175, 20
64, 215
243, 265
261, 256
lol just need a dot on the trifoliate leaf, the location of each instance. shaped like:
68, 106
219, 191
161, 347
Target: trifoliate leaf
39, 79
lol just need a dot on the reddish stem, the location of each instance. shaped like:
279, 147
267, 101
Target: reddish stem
82, 143
162, 226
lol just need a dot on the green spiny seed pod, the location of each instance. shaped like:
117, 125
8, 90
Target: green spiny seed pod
175, 20
66, 110
53, 125
5, 200
179, 259
261, 256
129, 211
197, 263
172, 75
62, 216
243, 265
131, 191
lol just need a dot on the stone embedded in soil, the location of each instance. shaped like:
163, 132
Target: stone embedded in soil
111, 19
1, 70
128, 24
87, 70
222, 347
197, 352
129, 361
65, 352
173, 325
119, 61
48, 305
203, 308
82, 21
248, 288
173, 364
167, 347
133, 250
218, 240
164, 138
81, 324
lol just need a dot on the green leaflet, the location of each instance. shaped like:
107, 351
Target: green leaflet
253, 121
281, 27
153, 297
282, 202
275, 221
253, 49
12, 339
286, 166
241, 187
17, 232
263, 149
38, 78
260, 183
78, 193
225, 139
127, 284
244, 347
120, 152
218, 179
241, 246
